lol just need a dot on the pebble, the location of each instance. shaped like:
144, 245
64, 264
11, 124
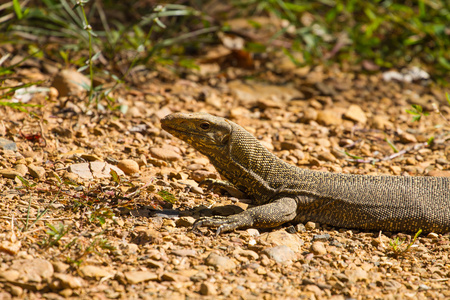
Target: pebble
310, 226
128, 166
318, 248
10, 275
134, 277
437, 173
65, 281
281, 254
281, 237
33, 270
207, 289
329, 117
8, 173
185, 252
70, 82
220, 262
36, 171
165, 154
355, 113
185, 222
382, 123
357, 274
21, 168
96, 272
200, 276
321, 237
246, 253
7, 145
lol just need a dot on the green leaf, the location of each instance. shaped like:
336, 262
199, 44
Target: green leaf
168, 197
115, 176
416, 118
17, 9
443, 62
412, 112
352, 156
447, 95
24, 181
391, 145
430, 141
417, 107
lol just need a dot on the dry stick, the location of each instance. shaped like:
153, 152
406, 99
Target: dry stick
389, 157
35, 219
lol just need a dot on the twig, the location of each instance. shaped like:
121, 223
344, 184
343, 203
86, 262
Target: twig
36, 219
392, 156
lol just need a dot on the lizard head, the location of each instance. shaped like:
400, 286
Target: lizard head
206, 133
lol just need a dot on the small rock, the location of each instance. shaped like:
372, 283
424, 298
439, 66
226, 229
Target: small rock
33, 270
70, 82
173, 277
310, 226
300, 227
36, 171
220, 262
59, 266
200, 175
94, 272
8, 173
200, 276
16, 291
286, 145
65, 281
432, 235
281, 237
395, 169
185, 222
309, 114
321, 237
128, 166
357, 274
21, 168
281, 254
81, 170
246, 253
10, 247
329, 117
134, 277
207, 288
185, 252
381, 123
7, 145
326, 156
10, 275
439, 173
406, 137
165, 154
355, 113
318, 248
253, 232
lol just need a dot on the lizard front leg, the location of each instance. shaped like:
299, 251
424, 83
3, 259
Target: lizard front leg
268, 215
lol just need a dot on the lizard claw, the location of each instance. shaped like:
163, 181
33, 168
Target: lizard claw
222, 223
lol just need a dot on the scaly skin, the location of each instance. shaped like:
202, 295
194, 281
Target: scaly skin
284, 193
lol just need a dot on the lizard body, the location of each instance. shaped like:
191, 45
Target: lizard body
284, 193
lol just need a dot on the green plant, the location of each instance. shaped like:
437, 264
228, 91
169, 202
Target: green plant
417, 112
396, 244
55, 234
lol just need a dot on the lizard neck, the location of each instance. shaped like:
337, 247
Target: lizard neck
256, 171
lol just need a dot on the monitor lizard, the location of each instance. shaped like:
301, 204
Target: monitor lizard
285, 193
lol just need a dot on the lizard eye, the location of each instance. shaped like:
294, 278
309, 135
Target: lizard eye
204, 126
